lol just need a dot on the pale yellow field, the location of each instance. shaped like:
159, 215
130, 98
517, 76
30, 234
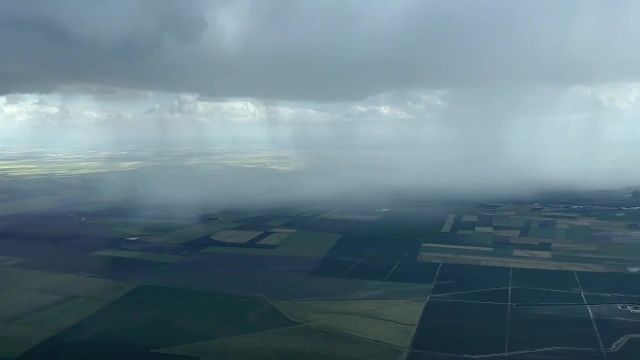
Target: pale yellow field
447, 246
275, 238
527, 263
532, 253
448, 223
388, 321
510, 233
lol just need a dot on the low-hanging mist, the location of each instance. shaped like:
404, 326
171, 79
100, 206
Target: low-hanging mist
447, 99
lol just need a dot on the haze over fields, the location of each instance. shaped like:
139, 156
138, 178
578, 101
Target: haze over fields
319, 179
456, 97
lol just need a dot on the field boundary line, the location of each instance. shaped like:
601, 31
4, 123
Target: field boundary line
593, 321
506, 342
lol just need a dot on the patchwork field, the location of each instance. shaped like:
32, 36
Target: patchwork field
387, 321
400, 280
553, 238
299, 342
150, 317
300, 243
35, 305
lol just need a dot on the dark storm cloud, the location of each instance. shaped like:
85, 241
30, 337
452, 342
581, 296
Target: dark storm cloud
48, 44
315, 50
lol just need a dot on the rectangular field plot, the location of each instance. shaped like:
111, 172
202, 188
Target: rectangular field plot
423, 355
299, 342
371, 270
331, 288
15, 303
348, 216
152, 317
388, 332
461, 328
407, 271
551, 326
191, 232
161, 232
300, 243
385, 321
526, 296
14, 339
35, 305
61, 284
274, 239
617, 323
235, 236
473, 218
560, 355
517, 262
377, 249
20, 334
456, 278
335, 266
414, 272
140, 228
545, 279
282, 230
492, 296
611, 283
139, 255
532, 253
603, 299
446, 227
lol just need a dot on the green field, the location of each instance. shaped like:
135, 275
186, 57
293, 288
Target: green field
10, 260
35, 305
161, 231
139, 255
316, 287
151, 317
27, 205
298, 342
61, 284
304, 311
15, 303
300, 243
388, 321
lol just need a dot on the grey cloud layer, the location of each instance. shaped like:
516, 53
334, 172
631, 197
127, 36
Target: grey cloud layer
315, 50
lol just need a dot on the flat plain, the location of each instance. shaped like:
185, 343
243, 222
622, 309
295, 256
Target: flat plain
82, 276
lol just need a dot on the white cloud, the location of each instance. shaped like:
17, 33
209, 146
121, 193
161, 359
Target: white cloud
624, 97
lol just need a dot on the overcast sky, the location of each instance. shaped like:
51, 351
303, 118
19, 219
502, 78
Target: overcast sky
546, 89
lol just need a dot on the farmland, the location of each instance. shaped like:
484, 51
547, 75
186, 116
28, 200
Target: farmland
399, 280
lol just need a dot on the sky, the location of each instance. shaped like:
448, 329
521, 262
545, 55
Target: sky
478, 94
